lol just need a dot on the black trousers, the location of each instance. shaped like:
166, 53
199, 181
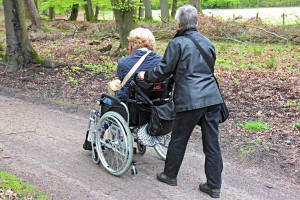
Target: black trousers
184, 123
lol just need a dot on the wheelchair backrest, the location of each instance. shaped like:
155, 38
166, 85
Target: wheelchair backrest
143, 95
153, 91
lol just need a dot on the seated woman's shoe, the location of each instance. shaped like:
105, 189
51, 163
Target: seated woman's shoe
214, 193
162, 177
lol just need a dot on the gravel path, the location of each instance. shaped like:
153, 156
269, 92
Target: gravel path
43, 145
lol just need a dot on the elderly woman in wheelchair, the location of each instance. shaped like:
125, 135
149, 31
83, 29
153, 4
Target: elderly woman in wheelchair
127, 117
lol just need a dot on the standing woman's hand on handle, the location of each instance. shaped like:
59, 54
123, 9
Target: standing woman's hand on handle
141, 75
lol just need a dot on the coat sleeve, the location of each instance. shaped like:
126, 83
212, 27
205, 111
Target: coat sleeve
120, 71
167, 66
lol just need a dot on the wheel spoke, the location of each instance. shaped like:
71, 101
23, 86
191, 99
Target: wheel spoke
116, 147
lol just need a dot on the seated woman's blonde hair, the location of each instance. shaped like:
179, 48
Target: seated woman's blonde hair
141, 37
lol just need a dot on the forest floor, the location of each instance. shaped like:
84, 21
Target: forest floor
75, 85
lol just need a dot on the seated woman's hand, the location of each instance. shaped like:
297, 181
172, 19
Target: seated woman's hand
141, 75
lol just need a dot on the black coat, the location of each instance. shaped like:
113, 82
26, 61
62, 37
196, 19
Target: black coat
195, 86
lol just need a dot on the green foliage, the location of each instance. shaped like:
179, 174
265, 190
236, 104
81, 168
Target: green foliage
293, 103
271, 62
250, 144
61, 6
64, 6
126, 6
255, 126
1, 46
297, 124
74, 69
61, 102
107, 68
22, 189
71, 79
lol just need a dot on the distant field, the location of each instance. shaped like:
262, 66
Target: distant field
269, 15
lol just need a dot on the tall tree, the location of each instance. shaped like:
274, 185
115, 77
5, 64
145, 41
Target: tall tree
125, 12
197, 4
89, 13
148, 10
74, 12
141, 10
33, 13
174, 8
19, 51
52, 12
36, 2
164, 10
97, 12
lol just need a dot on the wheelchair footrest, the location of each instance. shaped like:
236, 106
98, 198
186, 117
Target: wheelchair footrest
87, 145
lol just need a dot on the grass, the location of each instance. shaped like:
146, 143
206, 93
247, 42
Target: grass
297, 124
22, 189
255, 126
257, 56
250, 144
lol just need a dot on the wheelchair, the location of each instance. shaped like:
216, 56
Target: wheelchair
114, 127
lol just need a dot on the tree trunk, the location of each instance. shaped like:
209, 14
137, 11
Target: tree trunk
164, 7
197, 5
141, 10
86, 13
33, 13
90, 17
174, 8
19, 51
74, 12
148, 10
97, 12
36, 2
125, 19
52, 13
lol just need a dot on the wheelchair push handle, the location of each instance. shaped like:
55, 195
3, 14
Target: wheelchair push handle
110, 97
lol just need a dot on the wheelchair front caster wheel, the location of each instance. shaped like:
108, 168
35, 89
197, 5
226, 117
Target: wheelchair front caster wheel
134, 171
141, 148
95, 157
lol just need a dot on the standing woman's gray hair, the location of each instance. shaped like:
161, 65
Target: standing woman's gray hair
187, 17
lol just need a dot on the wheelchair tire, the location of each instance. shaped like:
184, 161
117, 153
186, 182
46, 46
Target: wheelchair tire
162, 148
114, 143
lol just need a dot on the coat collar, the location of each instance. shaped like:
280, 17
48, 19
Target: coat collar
182, 31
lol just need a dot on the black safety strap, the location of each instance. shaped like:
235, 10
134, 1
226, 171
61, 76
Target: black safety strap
137, 88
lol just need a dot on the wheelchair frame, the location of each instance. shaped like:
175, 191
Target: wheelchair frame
112, 139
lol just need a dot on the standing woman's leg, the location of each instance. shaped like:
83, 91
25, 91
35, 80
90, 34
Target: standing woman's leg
183, 126
209, 123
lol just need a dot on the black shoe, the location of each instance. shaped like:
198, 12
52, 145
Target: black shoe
162, 177
214, 193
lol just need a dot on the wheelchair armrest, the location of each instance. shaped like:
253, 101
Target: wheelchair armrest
104, 95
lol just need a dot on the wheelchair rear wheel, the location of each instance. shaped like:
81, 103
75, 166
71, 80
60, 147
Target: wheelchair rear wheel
114, 143
162, 147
